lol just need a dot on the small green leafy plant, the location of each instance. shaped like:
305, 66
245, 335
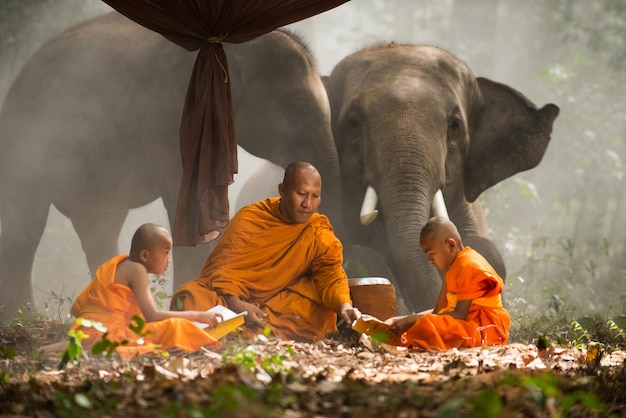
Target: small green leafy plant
252, 359
75, 349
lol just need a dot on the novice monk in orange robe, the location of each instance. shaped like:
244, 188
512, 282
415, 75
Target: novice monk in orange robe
121, 289
469, 311
279, 260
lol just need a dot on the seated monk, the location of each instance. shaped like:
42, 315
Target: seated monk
468, 312
121, 289
280, 261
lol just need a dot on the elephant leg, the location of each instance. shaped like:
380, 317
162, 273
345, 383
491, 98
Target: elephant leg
188, 261
23, 224
99, 231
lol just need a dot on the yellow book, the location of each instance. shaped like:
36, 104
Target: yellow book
377, 329
230, 321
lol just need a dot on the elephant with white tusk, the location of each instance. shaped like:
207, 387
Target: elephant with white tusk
91, 125
369, 212
418, 134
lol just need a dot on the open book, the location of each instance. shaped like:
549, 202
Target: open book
377, 329
230, 321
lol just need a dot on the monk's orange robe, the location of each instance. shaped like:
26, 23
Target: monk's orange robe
470, 276
114, 305
293, 272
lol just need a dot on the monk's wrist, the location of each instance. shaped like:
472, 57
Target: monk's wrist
234, 303
342, 307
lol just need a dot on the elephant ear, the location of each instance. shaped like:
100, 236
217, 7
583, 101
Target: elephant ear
508, 135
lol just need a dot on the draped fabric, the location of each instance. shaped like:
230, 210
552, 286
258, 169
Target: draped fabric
487, 323
207, 135
292, 271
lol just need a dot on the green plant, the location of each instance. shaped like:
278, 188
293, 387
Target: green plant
7, 353
57, 302
75, 350
544, 391
231, 398
28, 314
158, 285
617, 329
252, 359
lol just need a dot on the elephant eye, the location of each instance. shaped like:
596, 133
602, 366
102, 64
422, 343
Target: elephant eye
354, 123
352, 127
454, 129
351, 132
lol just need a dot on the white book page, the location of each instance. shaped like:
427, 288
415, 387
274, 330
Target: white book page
224, 311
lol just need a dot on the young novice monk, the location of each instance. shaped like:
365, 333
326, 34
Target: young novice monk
121, 289
469, 311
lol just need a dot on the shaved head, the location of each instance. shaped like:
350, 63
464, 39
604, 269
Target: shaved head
439, 229
292, 171
146, 237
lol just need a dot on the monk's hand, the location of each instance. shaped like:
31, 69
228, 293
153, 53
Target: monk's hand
256, 318
209, 318
400, 324
349, 313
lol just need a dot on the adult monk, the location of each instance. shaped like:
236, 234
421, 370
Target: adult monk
279, 260
468, 311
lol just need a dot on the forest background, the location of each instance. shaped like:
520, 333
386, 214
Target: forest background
560, 226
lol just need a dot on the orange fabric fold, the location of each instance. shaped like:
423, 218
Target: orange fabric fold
293, 272
470, 276
114, 305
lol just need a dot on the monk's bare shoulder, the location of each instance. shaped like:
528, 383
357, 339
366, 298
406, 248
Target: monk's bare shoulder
129, 271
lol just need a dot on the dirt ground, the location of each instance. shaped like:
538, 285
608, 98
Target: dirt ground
342, 376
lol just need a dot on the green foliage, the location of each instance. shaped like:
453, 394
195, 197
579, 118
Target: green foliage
561, 278
229, 398
252, 360
75, 351
27, 314
91, 400
223, 401
568, 330
545, 388
544, 391
487, 404
7, 353
107, 346
57, 302
158, 285
567, 237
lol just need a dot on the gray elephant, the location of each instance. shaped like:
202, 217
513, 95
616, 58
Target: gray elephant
262, 182
410, 121
91, 126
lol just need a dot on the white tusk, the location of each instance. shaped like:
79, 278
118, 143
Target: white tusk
439, 205
368, 209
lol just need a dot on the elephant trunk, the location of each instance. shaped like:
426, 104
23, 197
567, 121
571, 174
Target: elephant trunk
327, 163
406, 208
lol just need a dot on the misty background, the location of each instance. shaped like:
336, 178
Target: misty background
559, 226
